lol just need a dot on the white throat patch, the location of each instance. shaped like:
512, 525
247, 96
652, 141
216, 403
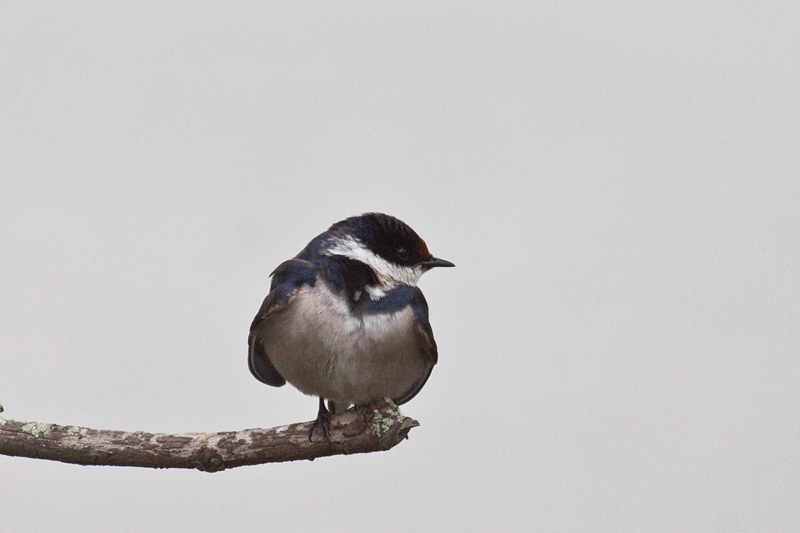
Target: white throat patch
389, 274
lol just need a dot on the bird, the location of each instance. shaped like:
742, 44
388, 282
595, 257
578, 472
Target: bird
344, 319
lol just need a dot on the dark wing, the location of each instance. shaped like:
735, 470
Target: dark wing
286, 281
427, 344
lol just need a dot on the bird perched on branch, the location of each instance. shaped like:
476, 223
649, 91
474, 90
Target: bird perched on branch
344, 319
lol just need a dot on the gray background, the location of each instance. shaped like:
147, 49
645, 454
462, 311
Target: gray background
618, 183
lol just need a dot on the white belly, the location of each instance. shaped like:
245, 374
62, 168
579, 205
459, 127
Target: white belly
320, 348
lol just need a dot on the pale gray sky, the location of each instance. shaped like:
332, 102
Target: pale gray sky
618, 184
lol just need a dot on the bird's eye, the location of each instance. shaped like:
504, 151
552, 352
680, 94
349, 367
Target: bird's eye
402, 253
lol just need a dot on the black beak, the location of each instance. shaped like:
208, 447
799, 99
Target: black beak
434, 262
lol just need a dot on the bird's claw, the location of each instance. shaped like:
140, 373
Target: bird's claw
323, 422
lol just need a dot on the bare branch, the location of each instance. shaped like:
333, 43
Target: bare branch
209, 452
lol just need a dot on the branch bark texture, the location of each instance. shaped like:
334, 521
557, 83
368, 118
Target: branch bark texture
208, 452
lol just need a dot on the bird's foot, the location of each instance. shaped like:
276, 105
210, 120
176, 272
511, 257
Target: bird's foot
366, 411
323, 422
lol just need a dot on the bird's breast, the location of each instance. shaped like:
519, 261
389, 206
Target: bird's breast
320, 315
321, 346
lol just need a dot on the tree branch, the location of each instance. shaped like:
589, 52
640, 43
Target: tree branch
208, 452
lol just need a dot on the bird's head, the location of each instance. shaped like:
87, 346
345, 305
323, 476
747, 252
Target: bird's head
393, 250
